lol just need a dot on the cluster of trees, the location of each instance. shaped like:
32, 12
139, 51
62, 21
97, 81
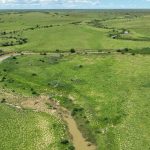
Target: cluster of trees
76, 23
96, 23
18, 41
38, 27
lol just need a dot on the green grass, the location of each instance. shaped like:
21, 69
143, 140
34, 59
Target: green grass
64, 35
25, 129
110, 93
107, 94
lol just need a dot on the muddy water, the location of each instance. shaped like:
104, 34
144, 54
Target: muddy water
78, 140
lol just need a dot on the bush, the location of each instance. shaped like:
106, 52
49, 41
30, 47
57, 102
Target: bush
34, 93
1, 51
64, 141
3, 100
76, 110
41, 60
43, 53
118, 50
72, 50
71, 147
14, 57
34, 74
3, 79
80, 66
10, 81
57, 50
32, 89
126, 49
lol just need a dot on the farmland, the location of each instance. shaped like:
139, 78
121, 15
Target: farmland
91, 66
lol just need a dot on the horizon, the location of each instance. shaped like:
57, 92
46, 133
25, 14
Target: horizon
98, 9
74, 4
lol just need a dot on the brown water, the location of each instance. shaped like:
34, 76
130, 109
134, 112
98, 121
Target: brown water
78, 140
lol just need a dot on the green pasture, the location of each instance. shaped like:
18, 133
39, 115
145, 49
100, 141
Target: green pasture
107, 94
50, 30
25, 129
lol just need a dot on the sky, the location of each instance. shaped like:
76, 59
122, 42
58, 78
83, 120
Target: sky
74, 4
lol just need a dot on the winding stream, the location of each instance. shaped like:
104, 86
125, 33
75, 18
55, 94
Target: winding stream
78, 140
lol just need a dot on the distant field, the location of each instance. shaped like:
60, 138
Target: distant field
48, 31
107, 94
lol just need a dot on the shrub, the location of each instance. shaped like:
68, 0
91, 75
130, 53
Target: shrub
64, 141
14, 57
80, 66
3, 100
71, 147
1, 51
43, 53
72, 50
126, 49
34, 74
10, 81
77, 110
34, 93
3, 79
57, 50
41, 60
118, 50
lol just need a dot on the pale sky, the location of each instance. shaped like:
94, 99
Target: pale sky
74, 4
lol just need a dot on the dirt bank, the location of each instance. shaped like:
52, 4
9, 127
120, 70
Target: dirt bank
41, 104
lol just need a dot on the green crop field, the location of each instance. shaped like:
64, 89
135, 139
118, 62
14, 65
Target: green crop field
93, 65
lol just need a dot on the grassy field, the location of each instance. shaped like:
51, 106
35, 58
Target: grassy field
106, 93
25, 129
109, 102
48, 31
